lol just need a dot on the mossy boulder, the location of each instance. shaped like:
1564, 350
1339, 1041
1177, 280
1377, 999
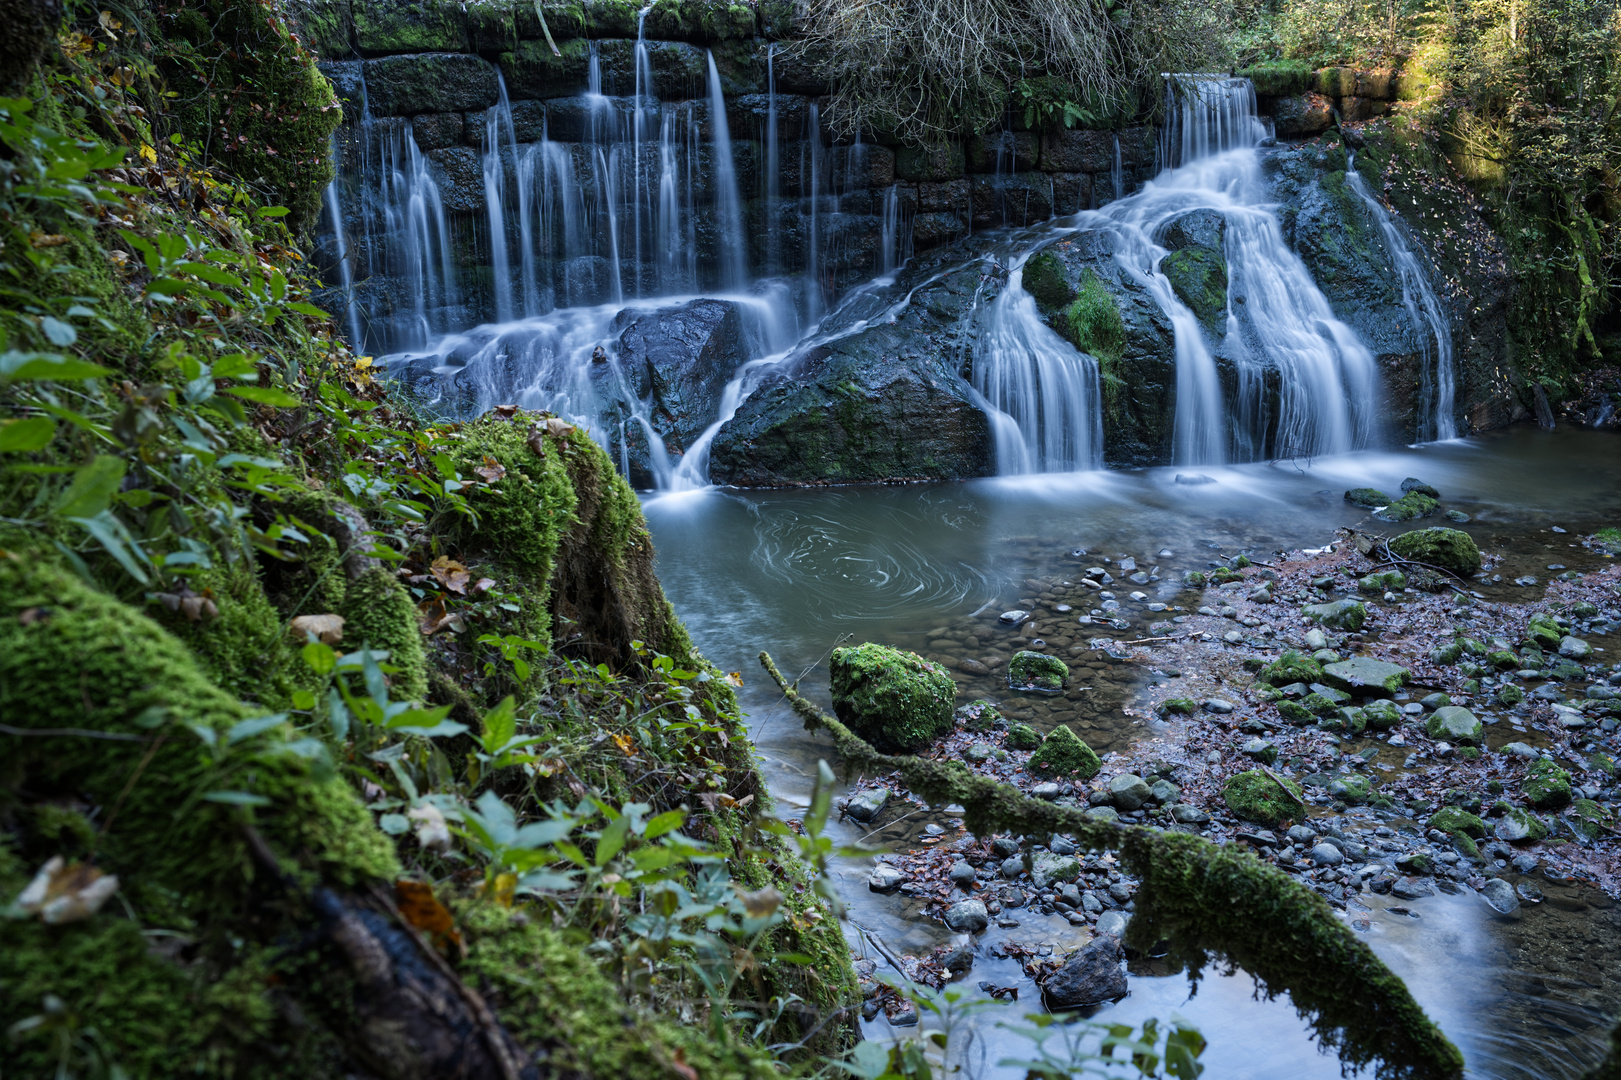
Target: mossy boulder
1517, 825
1022, 737
896, 700
1256, 796
1590, 820
1037, 671
1390, 581
1366, 677
1543, 632
1342, 614
1451, 819
1449, 549
1064, 754
1179, 706
1351, 789
1291, 667
1410, 506
1454, 724
1382, 714
1369, 497
1546, 786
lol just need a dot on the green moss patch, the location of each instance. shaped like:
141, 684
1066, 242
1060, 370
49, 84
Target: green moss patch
1037, 671
1064, 754
1546, 786
892, 698
1449, 549
1256, 796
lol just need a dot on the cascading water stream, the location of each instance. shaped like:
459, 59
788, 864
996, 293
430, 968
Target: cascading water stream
1042, 384
728, 208
1277, 319
1438, 375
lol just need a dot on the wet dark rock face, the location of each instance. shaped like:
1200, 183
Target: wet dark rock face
885, 403
677, 361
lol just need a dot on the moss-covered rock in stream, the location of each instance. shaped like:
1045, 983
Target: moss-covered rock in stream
1065, 755
1291, 667
1409, 506
1261, 797
895, 700
1037, 671
1546, 786
1450, 549
1022, 737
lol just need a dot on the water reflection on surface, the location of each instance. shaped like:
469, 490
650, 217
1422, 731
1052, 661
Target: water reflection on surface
794, 571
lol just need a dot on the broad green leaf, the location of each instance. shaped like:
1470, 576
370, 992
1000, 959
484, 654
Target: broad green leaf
58, 333
304, 308
257, 725
265, 395
93, 487
18, 365
236, 798
445, 729
110, 533
540, 833
394, 824
544, 881
665, 822
320, 657
21, 436
500, 725
612, 840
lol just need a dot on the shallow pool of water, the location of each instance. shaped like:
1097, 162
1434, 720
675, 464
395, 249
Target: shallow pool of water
796, 572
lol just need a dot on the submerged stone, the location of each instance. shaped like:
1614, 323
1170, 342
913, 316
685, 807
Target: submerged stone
1037, 671
1090, 976
866, 805
1369, 497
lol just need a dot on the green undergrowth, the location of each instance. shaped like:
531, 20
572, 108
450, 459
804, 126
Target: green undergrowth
270, 634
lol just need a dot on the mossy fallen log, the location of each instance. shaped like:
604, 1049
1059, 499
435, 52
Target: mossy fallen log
1205, 902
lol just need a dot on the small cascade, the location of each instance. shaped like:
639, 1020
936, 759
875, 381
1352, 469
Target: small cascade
1117, 173
340, 243
1326, 379
1207, 115
498, 122
1438, 376
1041, 394
407, 239
773, 168
728, 207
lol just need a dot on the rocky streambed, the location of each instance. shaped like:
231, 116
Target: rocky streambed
1383, 743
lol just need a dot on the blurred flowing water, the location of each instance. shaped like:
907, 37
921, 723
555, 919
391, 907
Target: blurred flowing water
793, 571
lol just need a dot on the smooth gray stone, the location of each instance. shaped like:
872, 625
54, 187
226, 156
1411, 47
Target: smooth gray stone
967, 917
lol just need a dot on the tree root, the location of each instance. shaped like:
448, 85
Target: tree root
1202, 899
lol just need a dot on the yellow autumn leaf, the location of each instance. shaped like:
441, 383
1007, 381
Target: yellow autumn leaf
149, 153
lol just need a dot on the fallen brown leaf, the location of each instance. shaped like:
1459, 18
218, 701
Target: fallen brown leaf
422, 909
451, 574
491, 471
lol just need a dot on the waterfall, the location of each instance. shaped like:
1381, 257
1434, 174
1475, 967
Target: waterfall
773, 168
496, 121
1327, 379
346, 276
1117, 173
728, 208
1437, 371
408, 235
1041, 393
